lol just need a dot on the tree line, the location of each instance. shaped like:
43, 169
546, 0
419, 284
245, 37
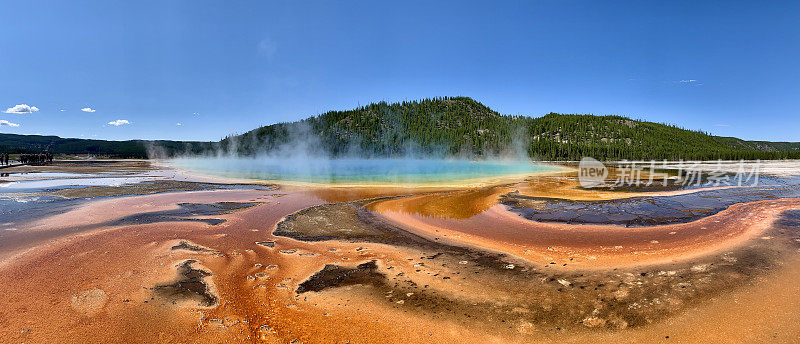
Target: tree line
462, 126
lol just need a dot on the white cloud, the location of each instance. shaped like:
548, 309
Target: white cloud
267, 47
179, 124
88, 109
4, 122
61, 110
119, 122
22, 108
689, 82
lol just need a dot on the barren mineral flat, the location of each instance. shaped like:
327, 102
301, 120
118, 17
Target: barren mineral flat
131, 251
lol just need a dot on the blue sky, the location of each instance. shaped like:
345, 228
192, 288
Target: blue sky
218, 67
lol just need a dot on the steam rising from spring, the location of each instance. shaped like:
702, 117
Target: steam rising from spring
299, 151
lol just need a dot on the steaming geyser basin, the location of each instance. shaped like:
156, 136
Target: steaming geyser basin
358, 171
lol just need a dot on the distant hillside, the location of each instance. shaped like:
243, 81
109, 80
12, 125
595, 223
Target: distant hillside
463, 126
445, 125
12, 143
448, 126
766, 146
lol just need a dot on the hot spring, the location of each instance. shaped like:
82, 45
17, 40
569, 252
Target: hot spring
358, 171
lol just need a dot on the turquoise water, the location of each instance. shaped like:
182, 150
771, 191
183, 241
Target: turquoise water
377, 171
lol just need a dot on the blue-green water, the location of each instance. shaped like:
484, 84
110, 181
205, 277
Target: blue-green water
367, 171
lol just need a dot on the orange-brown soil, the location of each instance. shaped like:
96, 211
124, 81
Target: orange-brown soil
435, 266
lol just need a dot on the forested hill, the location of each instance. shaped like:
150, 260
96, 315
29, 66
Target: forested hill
462, 126
137, 149
448, 126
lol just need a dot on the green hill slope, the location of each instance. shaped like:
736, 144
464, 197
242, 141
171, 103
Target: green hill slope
431, 126
447, 126
462, 126
140, 149
766, 146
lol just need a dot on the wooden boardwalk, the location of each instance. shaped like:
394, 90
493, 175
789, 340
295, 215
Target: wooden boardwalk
18, 164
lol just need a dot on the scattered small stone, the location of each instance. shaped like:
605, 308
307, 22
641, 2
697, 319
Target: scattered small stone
264, 331
620, 294
729, 259
269, 243
89, 302
593, 321
526, 327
